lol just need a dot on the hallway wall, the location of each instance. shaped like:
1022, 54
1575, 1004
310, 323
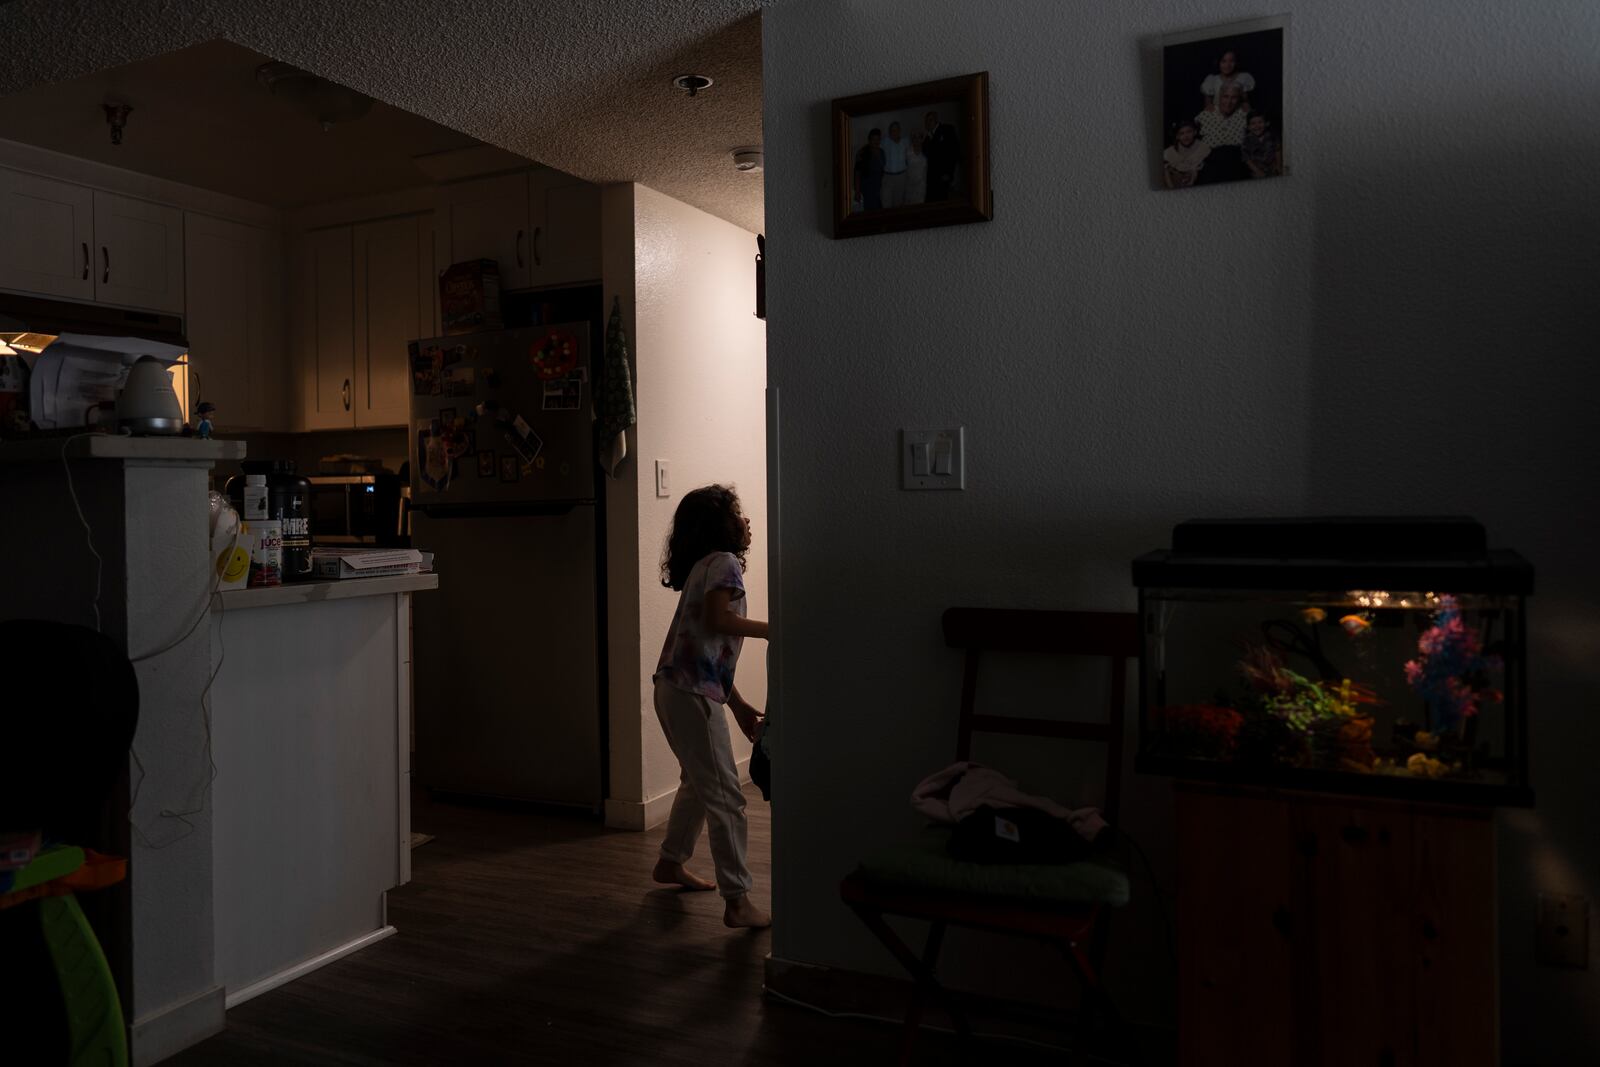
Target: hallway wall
700, 377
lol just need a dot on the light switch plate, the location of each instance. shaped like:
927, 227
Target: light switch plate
935, 442
1563, 931
663, 478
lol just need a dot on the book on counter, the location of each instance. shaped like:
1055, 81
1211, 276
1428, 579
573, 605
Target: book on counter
339, 563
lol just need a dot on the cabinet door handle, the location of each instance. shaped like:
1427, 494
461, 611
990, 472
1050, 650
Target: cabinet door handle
344, 392
519, 249
536, 261
86, 261
105, 259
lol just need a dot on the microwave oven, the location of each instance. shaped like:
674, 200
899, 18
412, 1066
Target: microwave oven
357, 509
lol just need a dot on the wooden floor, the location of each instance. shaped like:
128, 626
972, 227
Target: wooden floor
539, 939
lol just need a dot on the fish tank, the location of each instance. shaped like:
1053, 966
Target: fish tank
1377, 656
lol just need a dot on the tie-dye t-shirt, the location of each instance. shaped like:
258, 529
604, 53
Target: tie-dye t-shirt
694, 659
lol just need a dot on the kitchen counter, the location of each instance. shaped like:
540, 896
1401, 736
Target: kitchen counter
311, 592
120, 446
311, 731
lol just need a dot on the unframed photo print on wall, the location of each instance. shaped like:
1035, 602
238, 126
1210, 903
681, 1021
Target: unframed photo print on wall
1223, 103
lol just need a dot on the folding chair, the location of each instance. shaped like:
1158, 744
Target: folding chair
1060, 904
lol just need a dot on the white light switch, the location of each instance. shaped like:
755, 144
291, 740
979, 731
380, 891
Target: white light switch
932, 459
663, 479
919, 459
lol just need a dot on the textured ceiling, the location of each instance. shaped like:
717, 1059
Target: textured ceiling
201, 117
581, 86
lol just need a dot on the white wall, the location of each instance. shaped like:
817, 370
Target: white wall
1399, 327
700, 380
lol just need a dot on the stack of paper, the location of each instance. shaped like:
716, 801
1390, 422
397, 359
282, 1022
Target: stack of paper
340, 563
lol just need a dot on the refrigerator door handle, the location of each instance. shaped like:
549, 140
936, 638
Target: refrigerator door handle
536, 261
519, 249
344, 393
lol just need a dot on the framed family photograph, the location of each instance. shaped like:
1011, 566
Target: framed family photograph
1223, 104
909, 158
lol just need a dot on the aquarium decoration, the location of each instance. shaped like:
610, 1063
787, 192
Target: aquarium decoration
1364, 655
1450, 671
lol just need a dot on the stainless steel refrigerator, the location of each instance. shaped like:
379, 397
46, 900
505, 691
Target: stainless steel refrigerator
507, 654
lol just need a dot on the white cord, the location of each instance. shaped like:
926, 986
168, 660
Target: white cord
205, 608
205, 718
88, 534
984, 1035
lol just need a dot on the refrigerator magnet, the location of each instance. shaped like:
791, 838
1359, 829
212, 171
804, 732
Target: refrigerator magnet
510, 470
486, 463
555, 355
459, 381
435, 465
563, 394
425, 367
457, 441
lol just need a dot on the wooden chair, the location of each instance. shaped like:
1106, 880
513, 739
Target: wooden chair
1063, 905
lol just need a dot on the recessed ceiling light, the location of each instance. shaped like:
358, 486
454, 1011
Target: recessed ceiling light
747, 158
691, 83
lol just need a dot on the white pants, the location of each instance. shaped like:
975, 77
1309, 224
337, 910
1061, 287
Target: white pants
708, 789
894, 189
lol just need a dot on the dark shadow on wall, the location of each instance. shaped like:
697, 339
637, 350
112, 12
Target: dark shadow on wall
1454, 370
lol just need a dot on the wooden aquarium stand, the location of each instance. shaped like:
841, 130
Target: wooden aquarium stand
1316, 929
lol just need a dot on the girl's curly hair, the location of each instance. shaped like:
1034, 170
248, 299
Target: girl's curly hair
707, 521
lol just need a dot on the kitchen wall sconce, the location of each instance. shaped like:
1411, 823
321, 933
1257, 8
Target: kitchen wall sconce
117, 117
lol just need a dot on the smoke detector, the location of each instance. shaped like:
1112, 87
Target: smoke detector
747, 158
691, 83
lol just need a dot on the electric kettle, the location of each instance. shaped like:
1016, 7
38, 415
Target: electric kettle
148, 404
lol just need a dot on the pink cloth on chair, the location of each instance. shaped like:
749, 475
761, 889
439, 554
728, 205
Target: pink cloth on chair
950, 795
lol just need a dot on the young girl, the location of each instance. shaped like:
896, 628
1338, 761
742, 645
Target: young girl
1183, 159
704, 559
1227, 76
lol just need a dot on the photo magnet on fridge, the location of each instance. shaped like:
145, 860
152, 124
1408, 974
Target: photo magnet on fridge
486, 466
563, 394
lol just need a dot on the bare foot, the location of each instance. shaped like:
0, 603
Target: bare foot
741, 913
669, 873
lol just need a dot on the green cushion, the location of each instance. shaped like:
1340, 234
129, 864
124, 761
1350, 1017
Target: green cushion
924, 863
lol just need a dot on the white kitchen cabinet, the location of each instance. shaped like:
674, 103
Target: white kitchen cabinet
542, 227
488, 219
71, 241
235, 321
49, 228
325, 340
393, 306
138, 258
364, 292
564, 216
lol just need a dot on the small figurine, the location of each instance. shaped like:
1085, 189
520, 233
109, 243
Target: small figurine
204, 413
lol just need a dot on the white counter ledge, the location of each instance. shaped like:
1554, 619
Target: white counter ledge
121, 446
314, 592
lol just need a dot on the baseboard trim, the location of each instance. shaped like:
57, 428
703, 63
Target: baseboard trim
305, 967
839, 991
648, 814
154, 1037
836, 990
